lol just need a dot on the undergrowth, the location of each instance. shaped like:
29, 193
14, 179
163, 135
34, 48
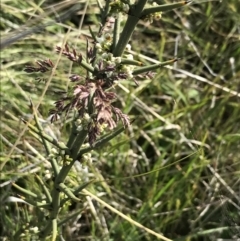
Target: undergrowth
174, 170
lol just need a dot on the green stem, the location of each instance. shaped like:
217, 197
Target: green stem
74, 154
116, 30
153, 67
100, 142
77, 190
45, 190
68, 192
52, 222
105, 11
54, 228
40, 129
73, 135
50, 139
78, 143
163, 8
133, 18
24, 191
44, 205
125, 35
55, 202
131, 62
87, 66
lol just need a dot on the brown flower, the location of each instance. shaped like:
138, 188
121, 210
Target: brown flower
90, 98
102, 113
43, 66
71, 55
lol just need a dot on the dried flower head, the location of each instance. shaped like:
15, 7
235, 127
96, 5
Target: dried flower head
93, 100
43, 66
71, 55
89, 96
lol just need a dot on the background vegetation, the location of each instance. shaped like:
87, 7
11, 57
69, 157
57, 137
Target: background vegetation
185, 139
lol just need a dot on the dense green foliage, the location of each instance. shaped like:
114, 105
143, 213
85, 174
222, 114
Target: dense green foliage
176, 170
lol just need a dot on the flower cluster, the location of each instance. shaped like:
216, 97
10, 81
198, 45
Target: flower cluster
89, 96
43, 66
92, 101
71, 55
